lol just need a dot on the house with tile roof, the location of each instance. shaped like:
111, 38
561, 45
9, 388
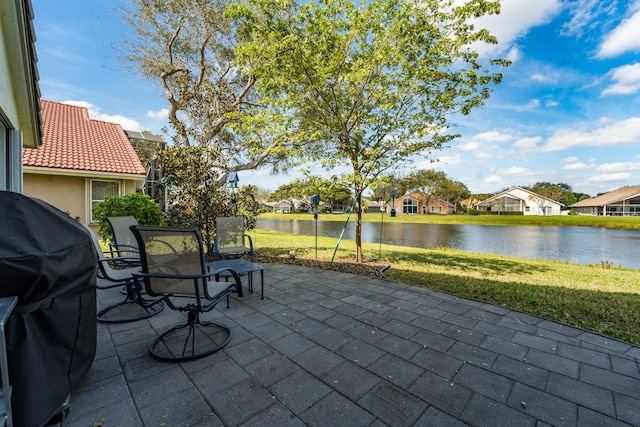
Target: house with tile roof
20, 120
415, 203
624, 201
81, 161
518, 199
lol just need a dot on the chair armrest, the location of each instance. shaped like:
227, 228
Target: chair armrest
123, 248
122, 259
250, 244
236, 277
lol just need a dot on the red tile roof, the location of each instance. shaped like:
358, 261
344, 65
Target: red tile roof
72, 140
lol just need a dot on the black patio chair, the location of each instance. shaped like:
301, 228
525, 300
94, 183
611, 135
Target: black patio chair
230, 240
124, 244
174, 269
129, 309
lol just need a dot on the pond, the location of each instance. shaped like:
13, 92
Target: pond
583, 245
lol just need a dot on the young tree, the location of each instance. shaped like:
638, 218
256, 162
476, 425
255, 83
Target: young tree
370, 84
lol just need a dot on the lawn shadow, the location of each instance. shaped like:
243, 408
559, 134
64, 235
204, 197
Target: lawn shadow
468, 262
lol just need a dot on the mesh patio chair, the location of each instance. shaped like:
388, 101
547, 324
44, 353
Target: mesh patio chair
174, 269
129, 309
123, 241
230, 239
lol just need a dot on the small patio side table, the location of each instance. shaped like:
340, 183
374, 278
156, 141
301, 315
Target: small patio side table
6, 307
242, 267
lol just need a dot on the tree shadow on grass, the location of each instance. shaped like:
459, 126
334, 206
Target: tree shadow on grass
468, 262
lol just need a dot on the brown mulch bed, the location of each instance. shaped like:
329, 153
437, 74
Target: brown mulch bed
367, 268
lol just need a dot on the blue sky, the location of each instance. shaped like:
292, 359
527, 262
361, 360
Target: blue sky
568, 109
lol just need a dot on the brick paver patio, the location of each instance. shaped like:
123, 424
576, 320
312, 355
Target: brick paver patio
333, 349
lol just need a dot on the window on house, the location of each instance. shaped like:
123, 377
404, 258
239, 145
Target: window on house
436, 209
409, 206
101, 190
527, 209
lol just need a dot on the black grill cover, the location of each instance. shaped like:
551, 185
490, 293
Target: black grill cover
47, 260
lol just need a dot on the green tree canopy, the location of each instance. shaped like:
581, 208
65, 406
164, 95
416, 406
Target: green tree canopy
368, 84
560, 192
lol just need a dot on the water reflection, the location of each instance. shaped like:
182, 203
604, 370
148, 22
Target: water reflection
582, 245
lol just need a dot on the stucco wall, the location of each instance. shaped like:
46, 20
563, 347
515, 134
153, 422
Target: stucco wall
66, 193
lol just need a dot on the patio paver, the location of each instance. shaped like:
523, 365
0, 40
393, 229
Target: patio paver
326, 348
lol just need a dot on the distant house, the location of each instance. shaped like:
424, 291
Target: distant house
81, 161
283, 206
341, 206
469, 203
624, 201
370, 205
20, 119
518, 199
417, 203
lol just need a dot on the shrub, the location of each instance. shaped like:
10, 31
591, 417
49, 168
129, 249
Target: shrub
140, 206
472, 211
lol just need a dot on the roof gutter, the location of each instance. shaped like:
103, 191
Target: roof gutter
81, 173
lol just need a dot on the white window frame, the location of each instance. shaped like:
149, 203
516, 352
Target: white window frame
409, 203
436, 209
93, 201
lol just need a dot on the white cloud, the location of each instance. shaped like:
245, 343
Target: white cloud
585, 16
516, 18
538, 77
159, 114
528, 144
623, 38
96, 114
450, 160
469, 146
493, 179
578, 166
545, 78
607, 177
482, 155
551, 103
618, 133
627, 78
618, 167
533, 104
515, 170
492, 136
571, 159
514, 54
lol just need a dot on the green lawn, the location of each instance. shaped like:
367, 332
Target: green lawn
560, 220
603, 300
